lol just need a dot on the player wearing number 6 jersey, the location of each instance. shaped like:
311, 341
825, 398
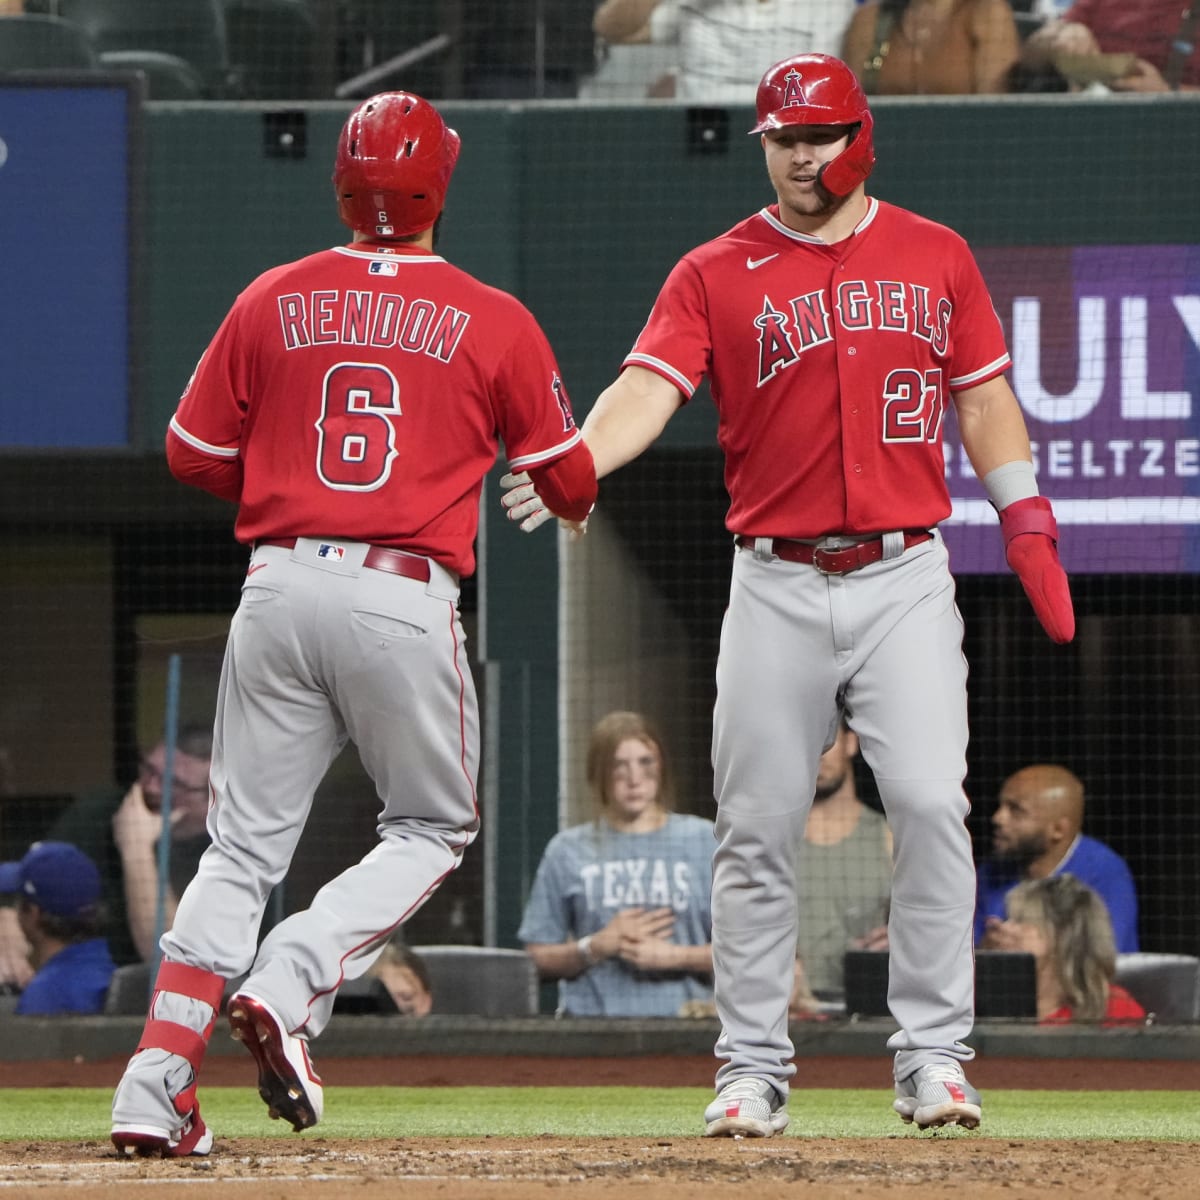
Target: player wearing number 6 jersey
351, 404
834, 330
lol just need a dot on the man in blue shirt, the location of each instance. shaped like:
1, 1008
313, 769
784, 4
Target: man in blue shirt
1036, 832
59, 910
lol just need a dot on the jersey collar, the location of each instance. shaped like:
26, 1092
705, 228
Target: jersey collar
415, 254
770, 215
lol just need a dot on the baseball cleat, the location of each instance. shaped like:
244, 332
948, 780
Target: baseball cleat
747, 1107
154, 1113
938, 1094
286, 1080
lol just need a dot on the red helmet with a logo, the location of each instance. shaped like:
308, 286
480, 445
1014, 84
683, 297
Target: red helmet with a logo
394, 160
817, 89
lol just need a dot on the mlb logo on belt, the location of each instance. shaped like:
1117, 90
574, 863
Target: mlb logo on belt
333, 553
383, 268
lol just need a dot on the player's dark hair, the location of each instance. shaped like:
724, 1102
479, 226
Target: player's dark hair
82, 927
607, 735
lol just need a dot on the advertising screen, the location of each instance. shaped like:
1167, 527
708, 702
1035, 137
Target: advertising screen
1105, 342
66, 236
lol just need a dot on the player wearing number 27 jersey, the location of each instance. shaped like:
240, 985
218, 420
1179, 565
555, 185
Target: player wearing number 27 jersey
351, 404
874, 331
835, 330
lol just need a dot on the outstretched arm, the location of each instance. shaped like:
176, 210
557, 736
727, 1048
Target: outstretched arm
625, 420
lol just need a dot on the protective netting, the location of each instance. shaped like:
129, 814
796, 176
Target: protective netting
130, 225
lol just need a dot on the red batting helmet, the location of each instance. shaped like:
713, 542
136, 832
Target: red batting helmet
817, 89
395, 156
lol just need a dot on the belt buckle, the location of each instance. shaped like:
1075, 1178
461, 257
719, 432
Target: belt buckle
818, 553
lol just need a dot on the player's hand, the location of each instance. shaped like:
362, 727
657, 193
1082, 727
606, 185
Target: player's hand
523, 502
525, 505
1031, 547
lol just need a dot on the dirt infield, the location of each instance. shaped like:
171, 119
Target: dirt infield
932, 1166
922, 1166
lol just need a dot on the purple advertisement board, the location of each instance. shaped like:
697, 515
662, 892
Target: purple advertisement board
1105, 342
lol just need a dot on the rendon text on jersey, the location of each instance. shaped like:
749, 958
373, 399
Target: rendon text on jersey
383, 319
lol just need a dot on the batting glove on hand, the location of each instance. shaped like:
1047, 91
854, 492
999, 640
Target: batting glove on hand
523, 502
1031, 547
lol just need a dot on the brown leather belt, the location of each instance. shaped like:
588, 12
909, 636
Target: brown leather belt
835, 562
379, 558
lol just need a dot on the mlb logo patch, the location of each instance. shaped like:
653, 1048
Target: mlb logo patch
383, 268
333, 553
384, 230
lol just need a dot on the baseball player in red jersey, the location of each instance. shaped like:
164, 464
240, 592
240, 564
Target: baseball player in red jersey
834, 330
351, 404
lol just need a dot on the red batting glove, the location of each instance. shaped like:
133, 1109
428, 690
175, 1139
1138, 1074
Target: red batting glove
1031, 547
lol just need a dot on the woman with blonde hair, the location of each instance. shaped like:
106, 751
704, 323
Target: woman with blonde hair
1064, 924
619, 911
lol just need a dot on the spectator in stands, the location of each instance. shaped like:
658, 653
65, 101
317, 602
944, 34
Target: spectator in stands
932, 47
844, 872
619, 910
119, 829
723, 45
1162, 35
1037, 833
1064, 924
403, 972
61, 917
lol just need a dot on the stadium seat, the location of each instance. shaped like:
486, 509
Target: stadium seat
481, 981
128, 991
167, 76
32, 42
193, 30
271, 47
1167, 986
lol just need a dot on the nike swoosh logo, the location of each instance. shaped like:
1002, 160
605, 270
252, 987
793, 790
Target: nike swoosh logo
256, 567
752, 264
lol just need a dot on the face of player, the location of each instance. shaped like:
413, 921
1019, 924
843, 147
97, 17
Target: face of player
633, 785
834, 767
1019, 833
795, 154
189, 789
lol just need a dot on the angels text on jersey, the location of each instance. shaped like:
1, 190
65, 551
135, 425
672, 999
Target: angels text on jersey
786, 331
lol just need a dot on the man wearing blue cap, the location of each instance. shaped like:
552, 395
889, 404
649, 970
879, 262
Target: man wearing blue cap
59, 910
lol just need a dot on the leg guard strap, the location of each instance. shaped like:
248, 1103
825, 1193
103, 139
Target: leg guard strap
174, 1039
194, 982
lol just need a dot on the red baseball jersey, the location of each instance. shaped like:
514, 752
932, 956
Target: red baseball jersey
830, 366
362, 393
